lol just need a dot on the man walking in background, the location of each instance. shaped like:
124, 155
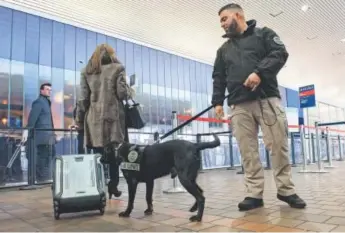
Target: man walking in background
40, 117
247, 65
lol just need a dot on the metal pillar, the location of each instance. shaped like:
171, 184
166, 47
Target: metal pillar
329, 154
303, 150
177, 188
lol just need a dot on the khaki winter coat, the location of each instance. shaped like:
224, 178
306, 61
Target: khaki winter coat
99, 109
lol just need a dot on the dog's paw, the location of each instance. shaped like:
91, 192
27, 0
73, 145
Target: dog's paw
124, 214
148, 211
194, 208
195, 218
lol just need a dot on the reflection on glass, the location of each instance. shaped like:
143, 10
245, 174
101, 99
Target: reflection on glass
31, 89
4, 79
69, 97
57, 97
16, 94
154, 87
146, 98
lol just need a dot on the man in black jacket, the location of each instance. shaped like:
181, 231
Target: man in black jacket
247, 65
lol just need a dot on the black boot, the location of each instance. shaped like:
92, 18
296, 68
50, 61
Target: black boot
294, 201
112, 190
250, 203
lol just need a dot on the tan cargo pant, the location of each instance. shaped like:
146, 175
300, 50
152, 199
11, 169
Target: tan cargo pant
245, 121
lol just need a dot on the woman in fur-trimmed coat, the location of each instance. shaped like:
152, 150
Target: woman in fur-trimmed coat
100, 109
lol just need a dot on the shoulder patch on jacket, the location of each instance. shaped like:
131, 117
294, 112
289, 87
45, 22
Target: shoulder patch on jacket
277, 40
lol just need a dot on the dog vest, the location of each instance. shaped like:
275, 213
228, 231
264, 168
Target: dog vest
133, 159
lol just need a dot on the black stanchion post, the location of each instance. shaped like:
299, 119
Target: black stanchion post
198, 140
231, 153
268, 162
293, 156
31, 150
313, 147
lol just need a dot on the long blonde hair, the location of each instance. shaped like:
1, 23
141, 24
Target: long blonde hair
104, 54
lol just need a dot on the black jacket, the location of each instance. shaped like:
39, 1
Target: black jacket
257, 50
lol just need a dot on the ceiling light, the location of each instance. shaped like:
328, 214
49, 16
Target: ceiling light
305, 8
343, 40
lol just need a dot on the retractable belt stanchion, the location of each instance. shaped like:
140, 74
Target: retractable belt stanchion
231, 151
340, 149
177, 188
329, 153
318, 153
303, 150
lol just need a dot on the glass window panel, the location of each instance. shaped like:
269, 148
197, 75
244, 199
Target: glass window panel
174, 84
129, 63
168, 95
81, 55
203, 79
70, 47
101, 39
44, 75
69, 97
16, 94
18, 36
146, 85
32, 39
112, 42
4, 79
58, 45
45, 41
57, 97
77, 81
193, 81
91, 43
154, 87
161, 90
121, 50
138, 70
31, 90
180, 82
5, 32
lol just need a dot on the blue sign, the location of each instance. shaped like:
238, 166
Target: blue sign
307, 96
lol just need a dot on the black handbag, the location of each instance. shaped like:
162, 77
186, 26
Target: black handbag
134, 115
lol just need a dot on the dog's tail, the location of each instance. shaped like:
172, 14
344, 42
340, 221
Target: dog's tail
208, 145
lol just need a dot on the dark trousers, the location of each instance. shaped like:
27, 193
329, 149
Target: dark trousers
44, 158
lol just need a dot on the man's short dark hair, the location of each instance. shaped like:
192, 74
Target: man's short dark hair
45, 85
230, 6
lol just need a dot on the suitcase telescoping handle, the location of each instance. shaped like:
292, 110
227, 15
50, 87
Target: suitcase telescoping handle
188, 121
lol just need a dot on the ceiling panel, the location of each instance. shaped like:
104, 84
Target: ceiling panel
191, 28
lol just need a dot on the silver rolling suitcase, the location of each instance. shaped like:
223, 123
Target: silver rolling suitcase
78, 184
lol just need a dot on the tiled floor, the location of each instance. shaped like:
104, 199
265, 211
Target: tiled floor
32, 210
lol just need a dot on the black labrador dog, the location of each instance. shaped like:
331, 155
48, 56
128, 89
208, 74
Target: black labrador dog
149, 162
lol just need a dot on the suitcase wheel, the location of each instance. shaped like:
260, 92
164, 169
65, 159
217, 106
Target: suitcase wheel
102, 210
56, 212
56, 215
